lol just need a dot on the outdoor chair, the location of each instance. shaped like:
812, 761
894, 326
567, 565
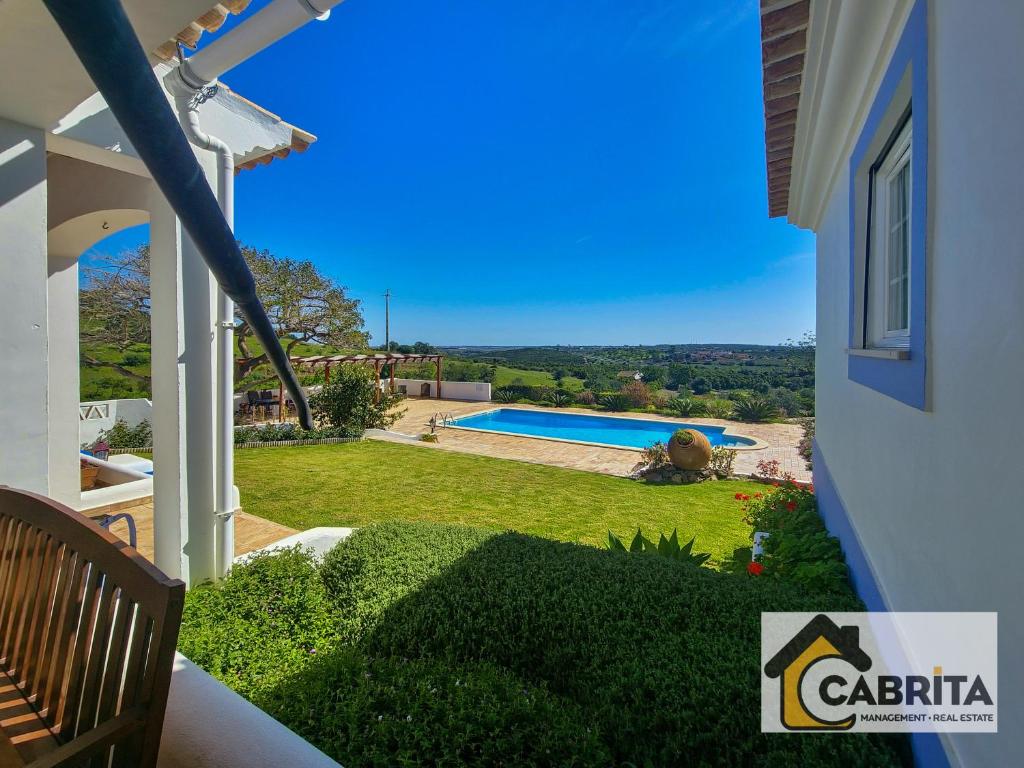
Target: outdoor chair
88, 629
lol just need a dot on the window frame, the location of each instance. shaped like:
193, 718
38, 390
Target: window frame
895, 157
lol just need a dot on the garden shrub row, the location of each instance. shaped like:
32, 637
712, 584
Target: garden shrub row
431, 644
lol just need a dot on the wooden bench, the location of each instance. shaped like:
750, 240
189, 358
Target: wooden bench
88, 629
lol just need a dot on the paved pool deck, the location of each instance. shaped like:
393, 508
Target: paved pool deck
782, 440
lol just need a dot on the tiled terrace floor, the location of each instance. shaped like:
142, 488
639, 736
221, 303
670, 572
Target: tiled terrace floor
782, 440
251, 532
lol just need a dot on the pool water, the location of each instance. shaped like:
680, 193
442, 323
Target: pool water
606, 430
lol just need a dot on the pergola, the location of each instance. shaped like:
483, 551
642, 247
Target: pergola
378, 361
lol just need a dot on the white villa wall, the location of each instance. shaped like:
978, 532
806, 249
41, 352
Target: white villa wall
450, 390
24, 454
96, 416
935, 495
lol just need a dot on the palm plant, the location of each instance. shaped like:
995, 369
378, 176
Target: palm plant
719, 409
616, 401
559, 399
504, 395
688, 406
755, 408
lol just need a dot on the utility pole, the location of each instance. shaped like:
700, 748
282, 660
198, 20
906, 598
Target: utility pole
387, 320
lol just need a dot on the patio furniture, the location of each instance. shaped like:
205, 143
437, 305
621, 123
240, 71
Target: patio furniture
87, 634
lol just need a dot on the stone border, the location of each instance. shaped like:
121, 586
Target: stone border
758, 444
259, 444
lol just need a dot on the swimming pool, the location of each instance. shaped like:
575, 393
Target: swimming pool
621, 432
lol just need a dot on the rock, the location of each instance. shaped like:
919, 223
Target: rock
677, 478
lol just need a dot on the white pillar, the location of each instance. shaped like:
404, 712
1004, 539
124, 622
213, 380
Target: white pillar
63, 394
24, 445
183, 305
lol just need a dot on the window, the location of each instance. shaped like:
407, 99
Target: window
887, 283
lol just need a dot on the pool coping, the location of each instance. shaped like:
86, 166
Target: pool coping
726, 430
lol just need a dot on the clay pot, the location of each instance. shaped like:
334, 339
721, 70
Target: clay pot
696, 455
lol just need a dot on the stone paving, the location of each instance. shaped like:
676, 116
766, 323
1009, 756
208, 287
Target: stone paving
781, 439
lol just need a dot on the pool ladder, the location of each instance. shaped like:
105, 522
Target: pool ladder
445, 420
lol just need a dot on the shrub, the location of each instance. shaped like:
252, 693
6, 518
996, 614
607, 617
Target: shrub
274, 433
615, 401
806, 445
722, 460
637, 393
428, 437
252, 629
425, 644
664, 548
586, 397
658, 660
120, 435
798, 547
772, 469
653, 457
688, 406
660, 400
718, 408
381, 710
347, 403
755, 408
505, 395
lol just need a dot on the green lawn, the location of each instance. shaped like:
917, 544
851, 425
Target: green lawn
358, 483
504, 375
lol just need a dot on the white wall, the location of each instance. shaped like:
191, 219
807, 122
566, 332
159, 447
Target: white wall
450, 390
24, 457
96, 416
935, 496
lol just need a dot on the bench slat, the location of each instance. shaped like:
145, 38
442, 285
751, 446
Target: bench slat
88, 629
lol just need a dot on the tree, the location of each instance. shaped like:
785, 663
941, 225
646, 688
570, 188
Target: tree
304, 306
113, 308
348, 403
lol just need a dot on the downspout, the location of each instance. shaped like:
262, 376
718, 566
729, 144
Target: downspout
187, 103
191, 84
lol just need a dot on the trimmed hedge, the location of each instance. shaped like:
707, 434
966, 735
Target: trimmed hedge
457, 646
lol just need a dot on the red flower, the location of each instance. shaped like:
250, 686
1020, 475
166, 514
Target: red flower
755, 569
791, 506
758, 495
739, 496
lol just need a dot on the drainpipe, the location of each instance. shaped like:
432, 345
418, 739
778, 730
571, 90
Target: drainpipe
187, 103
280, 18
190, 84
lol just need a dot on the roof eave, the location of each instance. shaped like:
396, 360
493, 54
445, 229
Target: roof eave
784, 26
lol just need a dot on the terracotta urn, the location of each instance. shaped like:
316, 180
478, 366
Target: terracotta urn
689, 449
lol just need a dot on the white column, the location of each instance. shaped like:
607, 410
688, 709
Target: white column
63, 394
183, 296
24, 445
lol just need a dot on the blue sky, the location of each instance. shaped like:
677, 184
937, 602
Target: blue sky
531, 172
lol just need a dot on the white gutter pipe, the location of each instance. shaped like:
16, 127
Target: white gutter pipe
187, 103
189, 84
277, 20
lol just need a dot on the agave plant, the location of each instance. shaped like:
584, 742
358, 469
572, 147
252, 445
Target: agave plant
559, 399
755, 408
504, 395
688, 406
615, 402
669, 547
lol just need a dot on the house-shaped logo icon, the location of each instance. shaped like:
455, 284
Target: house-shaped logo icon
821, 639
